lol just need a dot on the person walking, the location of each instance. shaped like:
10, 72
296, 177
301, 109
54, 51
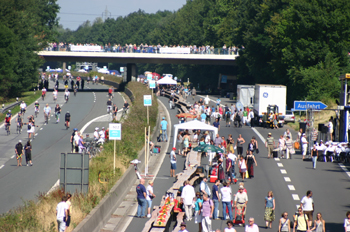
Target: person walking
284, 223
269, 144
70, 210
282, 146
319, 224
242, 167
28, 153
251, 227
307, 204
239, 144
172, 162
164, 126
19, 152
314, 156
188, 195
226, 200
61, 214
241, 200
183, 227
207, 208
250, 161
186, 143
204, 187
304, 144
149, 197
216, 198
301, 222
270, 206
197, 211
347, 222
289, 148
141, 199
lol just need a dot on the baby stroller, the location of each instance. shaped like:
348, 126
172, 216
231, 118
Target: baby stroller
239, 216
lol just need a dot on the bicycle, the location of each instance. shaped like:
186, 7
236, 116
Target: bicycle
46, 118
66, 98
57, 116
7, 128
75, 92
36, 112
43, 97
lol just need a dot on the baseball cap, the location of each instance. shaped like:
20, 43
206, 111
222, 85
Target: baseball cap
163, 118
19, 141
96, 128
174, 148
103, 128
183, 224
269, 134
241, 187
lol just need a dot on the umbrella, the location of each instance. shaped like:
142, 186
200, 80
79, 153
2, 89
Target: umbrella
208, 148
186, 115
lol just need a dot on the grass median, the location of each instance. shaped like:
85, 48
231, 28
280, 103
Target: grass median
40, 215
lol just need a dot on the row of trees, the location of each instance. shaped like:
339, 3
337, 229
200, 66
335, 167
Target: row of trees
303, 44
25, 27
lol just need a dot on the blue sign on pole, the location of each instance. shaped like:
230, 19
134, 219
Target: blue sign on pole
152, 84
115, 131
304, 105
147, 100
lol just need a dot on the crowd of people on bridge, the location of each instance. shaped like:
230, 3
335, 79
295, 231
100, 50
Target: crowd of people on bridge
145, 48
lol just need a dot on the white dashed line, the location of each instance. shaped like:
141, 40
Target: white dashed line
283, 171
12, 156
291, 187
42, 128
295, 197
2, 166
280, 165
277, 159
286, 179
36, 134
345, 169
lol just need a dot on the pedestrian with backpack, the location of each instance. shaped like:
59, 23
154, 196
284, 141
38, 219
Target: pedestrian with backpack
207, 213
301, 222
284, 225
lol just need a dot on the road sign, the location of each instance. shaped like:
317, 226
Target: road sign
152, 84
149, 76
304, 105
115, 131
147, 100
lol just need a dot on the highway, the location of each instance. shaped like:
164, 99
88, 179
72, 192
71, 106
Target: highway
25, 183
288, 179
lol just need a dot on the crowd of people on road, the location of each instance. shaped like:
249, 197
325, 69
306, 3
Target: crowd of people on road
145, 48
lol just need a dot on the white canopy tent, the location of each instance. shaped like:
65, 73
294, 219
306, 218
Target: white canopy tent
166, 81
193, 125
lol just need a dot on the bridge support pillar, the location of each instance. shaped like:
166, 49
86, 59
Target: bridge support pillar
130, 71
64, 66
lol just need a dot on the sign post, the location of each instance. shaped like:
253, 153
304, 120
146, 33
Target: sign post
152, 85
115, 133
147, 101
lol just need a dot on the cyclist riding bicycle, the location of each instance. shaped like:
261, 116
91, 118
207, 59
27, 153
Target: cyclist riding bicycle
23, 107
66, 95
43, 92
47, 112
54, 94
8, 119
20, 120
57, 112
67, 119
109, 106
115, 111
110, 92
75, 89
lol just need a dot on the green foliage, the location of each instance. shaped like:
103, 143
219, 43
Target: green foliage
26, 27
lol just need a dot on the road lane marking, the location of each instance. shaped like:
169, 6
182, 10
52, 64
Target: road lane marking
42, 128
286, 179
283, 171
295, 197
277, 159
280, 165
260, 136
291, 187
162, 178
2, 166
12, 156
344, 169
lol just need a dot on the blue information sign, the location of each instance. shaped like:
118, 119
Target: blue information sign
115, 131
304, 105
152, 84
147, 100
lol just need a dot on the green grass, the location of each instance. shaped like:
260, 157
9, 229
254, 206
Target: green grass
40, 215
27, 97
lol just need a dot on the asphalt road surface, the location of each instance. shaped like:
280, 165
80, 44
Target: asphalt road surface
24, 183
288, 179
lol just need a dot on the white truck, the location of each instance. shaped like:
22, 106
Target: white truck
270, 99
245, 95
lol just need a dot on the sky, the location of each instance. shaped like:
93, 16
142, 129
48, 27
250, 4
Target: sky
74, 12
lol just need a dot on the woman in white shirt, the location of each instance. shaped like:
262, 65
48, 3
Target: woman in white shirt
226, 200
229, 227
149, 197
282, 146
347, 222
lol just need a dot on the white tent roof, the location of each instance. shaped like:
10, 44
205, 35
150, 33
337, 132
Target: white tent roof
193, 125
166, 81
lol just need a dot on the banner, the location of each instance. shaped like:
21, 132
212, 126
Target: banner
74, 48
175, 50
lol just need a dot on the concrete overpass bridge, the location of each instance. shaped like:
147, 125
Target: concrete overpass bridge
131, 59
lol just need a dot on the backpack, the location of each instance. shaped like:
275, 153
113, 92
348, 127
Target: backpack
29, 127
7, 119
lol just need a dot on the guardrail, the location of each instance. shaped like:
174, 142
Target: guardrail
10, 106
